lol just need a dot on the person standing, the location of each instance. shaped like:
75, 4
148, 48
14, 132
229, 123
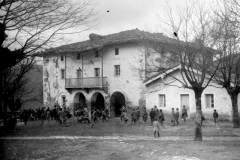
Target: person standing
145, 115
138, 114
173, 117
134, 116
94, 117
215, 116
184, 113
60, 116
156, 112
177, 116
123, 109
43, 116
152, 115
161, 117
156, 128
25, 116
107, 113
125, 118
48, 115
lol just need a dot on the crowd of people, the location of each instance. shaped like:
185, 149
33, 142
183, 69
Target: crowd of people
101, 115
39, 114
157, 117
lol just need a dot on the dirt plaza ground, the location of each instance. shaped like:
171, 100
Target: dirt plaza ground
114, 141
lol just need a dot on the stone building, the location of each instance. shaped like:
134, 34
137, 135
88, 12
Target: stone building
120, 69
104, 71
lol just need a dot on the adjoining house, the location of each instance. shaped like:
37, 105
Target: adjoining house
167, 93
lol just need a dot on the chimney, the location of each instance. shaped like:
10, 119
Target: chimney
95, 37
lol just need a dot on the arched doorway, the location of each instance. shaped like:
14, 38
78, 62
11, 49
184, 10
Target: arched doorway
97, 101
79, 101
116, 102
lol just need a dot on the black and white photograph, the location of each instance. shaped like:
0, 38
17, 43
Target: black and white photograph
120, 79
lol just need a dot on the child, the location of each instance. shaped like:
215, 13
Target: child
156, 127
43, 116
134, 116
125, 117
215, 116
177, 116
94, 117
173, 117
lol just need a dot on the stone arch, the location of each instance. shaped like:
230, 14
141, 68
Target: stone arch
97, 101
79, 101
117, 100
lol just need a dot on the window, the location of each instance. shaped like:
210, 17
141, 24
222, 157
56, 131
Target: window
78, 56
162, 100
209, 100
62, 73
62, 57
117, 70
79, 73
97, 72
116, 51
96, 54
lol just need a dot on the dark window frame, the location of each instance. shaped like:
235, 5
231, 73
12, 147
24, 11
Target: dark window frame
96, 54
62, 58
116, 51
78, 56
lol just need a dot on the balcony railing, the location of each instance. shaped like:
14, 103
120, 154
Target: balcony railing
89, 82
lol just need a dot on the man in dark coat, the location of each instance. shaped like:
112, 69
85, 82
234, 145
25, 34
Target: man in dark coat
152, 115
173, 117
161, 117
156, 112
215, 116
184, 113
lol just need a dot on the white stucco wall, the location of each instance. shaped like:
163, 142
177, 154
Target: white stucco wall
222, 101
129, 82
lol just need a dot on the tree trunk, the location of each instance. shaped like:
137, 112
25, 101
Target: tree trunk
198, 119
235, 116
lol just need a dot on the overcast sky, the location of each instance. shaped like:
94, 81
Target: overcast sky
119, 15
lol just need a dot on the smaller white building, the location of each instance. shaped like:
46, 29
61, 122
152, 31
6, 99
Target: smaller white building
166, 93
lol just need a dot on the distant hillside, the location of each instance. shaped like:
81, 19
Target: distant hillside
36, 84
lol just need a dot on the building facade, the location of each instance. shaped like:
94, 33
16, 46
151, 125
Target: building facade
174, 95
101, 72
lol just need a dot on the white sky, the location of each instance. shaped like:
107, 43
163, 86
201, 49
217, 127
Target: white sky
126, 15
123, 15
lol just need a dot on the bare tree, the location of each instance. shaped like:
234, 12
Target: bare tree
191, 48
228, 43
27, 26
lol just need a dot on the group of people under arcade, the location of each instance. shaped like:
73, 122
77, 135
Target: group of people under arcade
97, 115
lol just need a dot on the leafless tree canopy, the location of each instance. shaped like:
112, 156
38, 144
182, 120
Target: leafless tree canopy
34, 24
27, 26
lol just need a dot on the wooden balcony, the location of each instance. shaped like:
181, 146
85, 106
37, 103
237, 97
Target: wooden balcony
88, 82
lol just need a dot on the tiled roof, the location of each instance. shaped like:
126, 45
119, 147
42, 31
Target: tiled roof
98, 41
